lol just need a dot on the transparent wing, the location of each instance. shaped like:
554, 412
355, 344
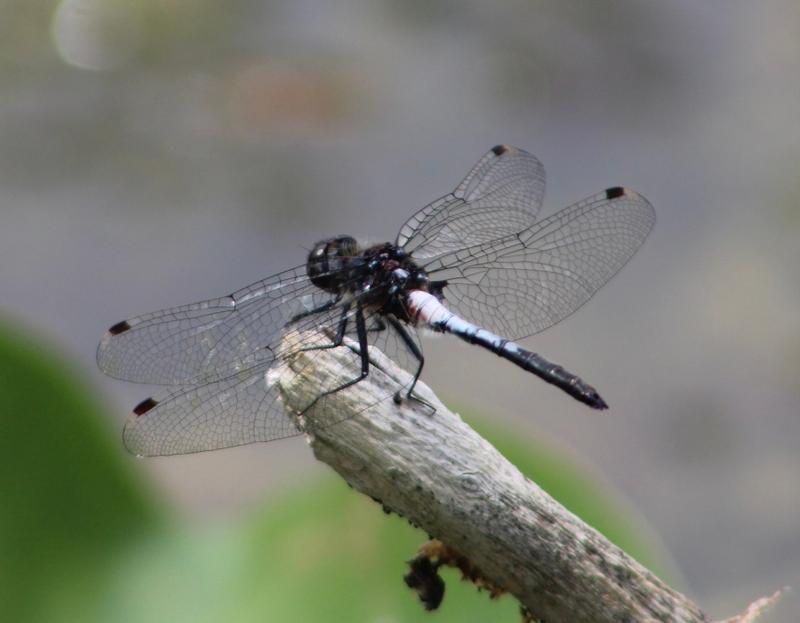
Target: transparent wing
524, 283
501, 195
244, 407
208, 340
228, 412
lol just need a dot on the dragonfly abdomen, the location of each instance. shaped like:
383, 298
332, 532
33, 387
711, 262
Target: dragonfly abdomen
427, 308
553, 373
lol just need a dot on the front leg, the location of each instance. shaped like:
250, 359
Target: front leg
338, 339
361, 331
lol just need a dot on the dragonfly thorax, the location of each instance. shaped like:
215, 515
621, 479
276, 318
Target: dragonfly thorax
376, 273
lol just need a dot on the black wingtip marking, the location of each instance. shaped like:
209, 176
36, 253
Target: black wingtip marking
144, 406
616, 191
499, 150
120, 327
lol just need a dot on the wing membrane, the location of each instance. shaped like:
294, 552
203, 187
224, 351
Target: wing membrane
501, 195
228, 412
524, 283
208, 340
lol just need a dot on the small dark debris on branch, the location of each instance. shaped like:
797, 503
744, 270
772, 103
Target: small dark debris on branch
425, 579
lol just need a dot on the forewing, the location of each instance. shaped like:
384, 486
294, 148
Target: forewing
501, 195
209, 340
524, 283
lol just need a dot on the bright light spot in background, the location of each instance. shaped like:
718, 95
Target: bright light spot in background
97, 34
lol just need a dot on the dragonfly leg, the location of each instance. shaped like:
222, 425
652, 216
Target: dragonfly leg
414, 350
361, 331
337, 339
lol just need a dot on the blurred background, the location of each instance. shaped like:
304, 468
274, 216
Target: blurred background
155, 152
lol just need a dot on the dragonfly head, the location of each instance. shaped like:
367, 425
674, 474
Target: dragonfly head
328, 262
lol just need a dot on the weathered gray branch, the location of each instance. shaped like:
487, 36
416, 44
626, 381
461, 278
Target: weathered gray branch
436, 471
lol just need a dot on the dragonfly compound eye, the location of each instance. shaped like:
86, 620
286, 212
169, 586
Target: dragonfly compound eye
328, 261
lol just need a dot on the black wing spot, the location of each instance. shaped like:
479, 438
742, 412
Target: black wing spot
499, 150
120, 327
145, 406
615, 192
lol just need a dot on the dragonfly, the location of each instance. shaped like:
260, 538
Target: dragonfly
477, 263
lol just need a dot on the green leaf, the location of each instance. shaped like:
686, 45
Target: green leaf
70, 502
